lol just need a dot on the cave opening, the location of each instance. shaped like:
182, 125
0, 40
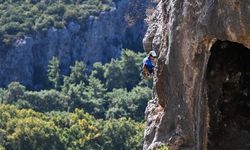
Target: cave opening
228, 92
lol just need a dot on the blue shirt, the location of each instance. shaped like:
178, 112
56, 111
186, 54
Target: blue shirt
149, 64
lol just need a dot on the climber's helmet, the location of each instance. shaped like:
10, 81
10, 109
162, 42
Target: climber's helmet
152, 53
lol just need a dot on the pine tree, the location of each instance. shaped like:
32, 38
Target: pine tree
77, 73
54, 72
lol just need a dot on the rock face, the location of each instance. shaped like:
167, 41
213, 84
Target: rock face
100, 39
202, 82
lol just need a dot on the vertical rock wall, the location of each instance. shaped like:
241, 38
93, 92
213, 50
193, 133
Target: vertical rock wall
183, 32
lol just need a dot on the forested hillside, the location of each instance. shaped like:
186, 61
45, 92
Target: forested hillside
22, 17
101, 109
67, 79
33, 31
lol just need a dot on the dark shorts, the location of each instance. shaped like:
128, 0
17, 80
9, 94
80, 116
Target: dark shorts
150, 70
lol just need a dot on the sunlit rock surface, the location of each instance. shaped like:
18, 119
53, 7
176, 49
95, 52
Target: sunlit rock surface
202, 83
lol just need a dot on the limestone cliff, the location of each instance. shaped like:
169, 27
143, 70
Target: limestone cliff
202, 82
100, 39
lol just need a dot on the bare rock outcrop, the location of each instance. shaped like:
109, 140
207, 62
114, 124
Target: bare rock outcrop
202, 81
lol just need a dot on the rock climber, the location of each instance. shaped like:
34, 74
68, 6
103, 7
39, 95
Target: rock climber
148, 65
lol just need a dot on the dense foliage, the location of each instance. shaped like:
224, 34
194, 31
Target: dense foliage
103, 109
26, 129
21, 17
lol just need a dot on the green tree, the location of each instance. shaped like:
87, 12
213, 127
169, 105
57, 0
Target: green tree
32, 133
78, 129
131, 68
74, 85
2, 91
95, 88
2, 148
54, 72
98, 71
27, 129
14, 92
6, 113
119, 104
75, 92
77, 76
124, 73
122, 134
163, 147
45, 101
77, 73
113, 75
139, 97
95, 97
128, 104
